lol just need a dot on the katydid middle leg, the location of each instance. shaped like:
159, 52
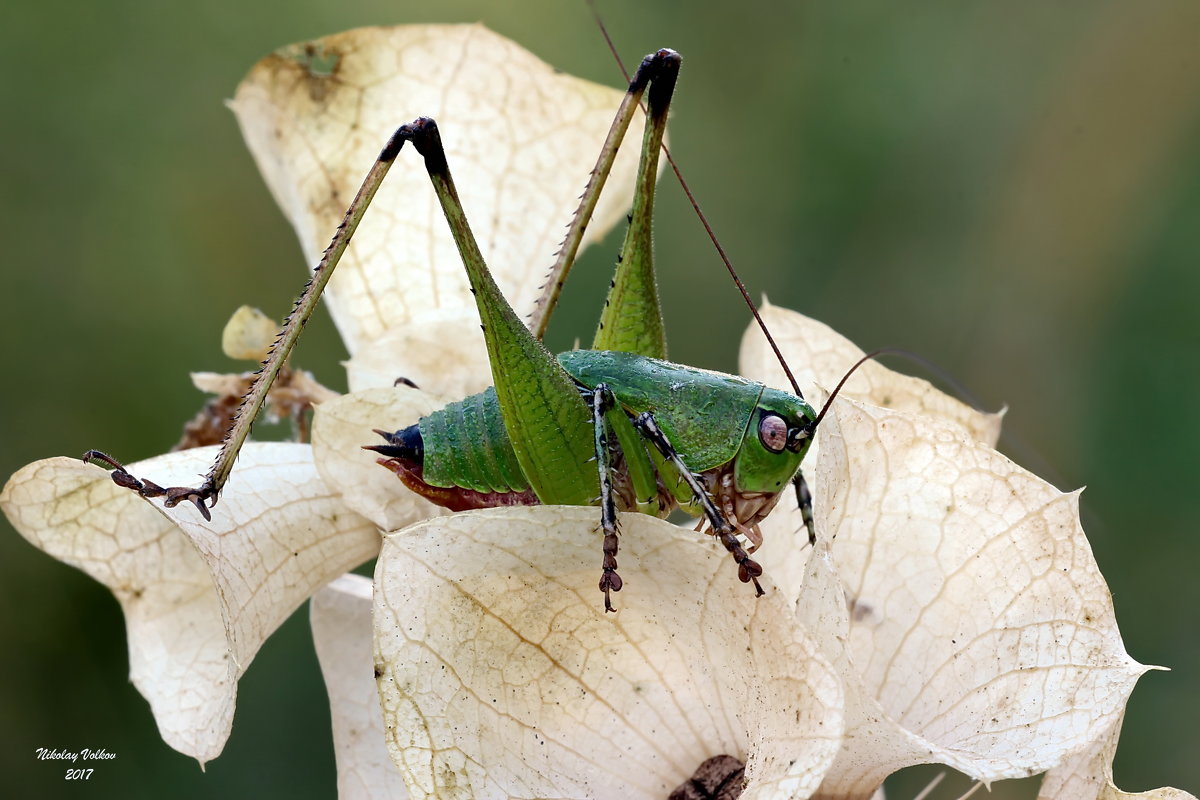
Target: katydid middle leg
610, 581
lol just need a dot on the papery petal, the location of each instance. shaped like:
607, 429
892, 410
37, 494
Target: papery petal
976, 624
342, 633
889, 747
819, 356
1088, 776
340, 429
442, 351
301, 387
199, 598
501, 675
520, 138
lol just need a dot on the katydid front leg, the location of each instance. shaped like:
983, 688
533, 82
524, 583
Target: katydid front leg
748, 569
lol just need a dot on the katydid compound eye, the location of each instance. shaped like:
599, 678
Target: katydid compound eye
773, 432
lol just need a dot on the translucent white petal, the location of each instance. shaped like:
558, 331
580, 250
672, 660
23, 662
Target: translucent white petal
503, 677
976, 620
199, 598
340, 429
520, 138
342, 633
819, 356
1088, 776
440, 350
248, 334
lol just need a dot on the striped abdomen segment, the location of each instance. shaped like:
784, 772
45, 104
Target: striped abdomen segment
466, 445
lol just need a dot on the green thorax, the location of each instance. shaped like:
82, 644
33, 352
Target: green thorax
704, 414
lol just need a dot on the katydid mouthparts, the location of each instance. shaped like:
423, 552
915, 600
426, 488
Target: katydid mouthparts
616, 426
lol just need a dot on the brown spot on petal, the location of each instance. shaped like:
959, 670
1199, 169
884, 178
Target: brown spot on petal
717, 778
318, 62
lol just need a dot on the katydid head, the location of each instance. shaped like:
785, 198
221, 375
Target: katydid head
780, 434
775, 443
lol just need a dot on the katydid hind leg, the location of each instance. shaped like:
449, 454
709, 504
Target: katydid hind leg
206, 494
543, 411
710, 231
657, 71
632, 317
146, 488
748, 569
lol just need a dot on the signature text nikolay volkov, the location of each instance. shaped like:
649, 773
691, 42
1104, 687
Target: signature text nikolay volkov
54, 754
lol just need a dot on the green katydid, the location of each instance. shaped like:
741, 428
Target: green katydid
661, 435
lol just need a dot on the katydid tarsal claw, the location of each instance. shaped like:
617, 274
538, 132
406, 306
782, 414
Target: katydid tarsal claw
616, 426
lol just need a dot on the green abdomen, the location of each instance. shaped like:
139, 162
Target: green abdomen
467, 445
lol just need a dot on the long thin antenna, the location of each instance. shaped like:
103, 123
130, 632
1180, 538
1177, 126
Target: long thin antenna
712, 236
883, 351
812, 426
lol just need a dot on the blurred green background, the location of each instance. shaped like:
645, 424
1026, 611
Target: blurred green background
1011, 190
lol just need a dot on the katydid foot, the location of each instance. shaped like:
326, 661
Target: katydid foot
174, 495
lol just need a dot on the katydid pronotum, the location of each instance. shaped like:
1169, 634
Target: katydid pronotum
616, 426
